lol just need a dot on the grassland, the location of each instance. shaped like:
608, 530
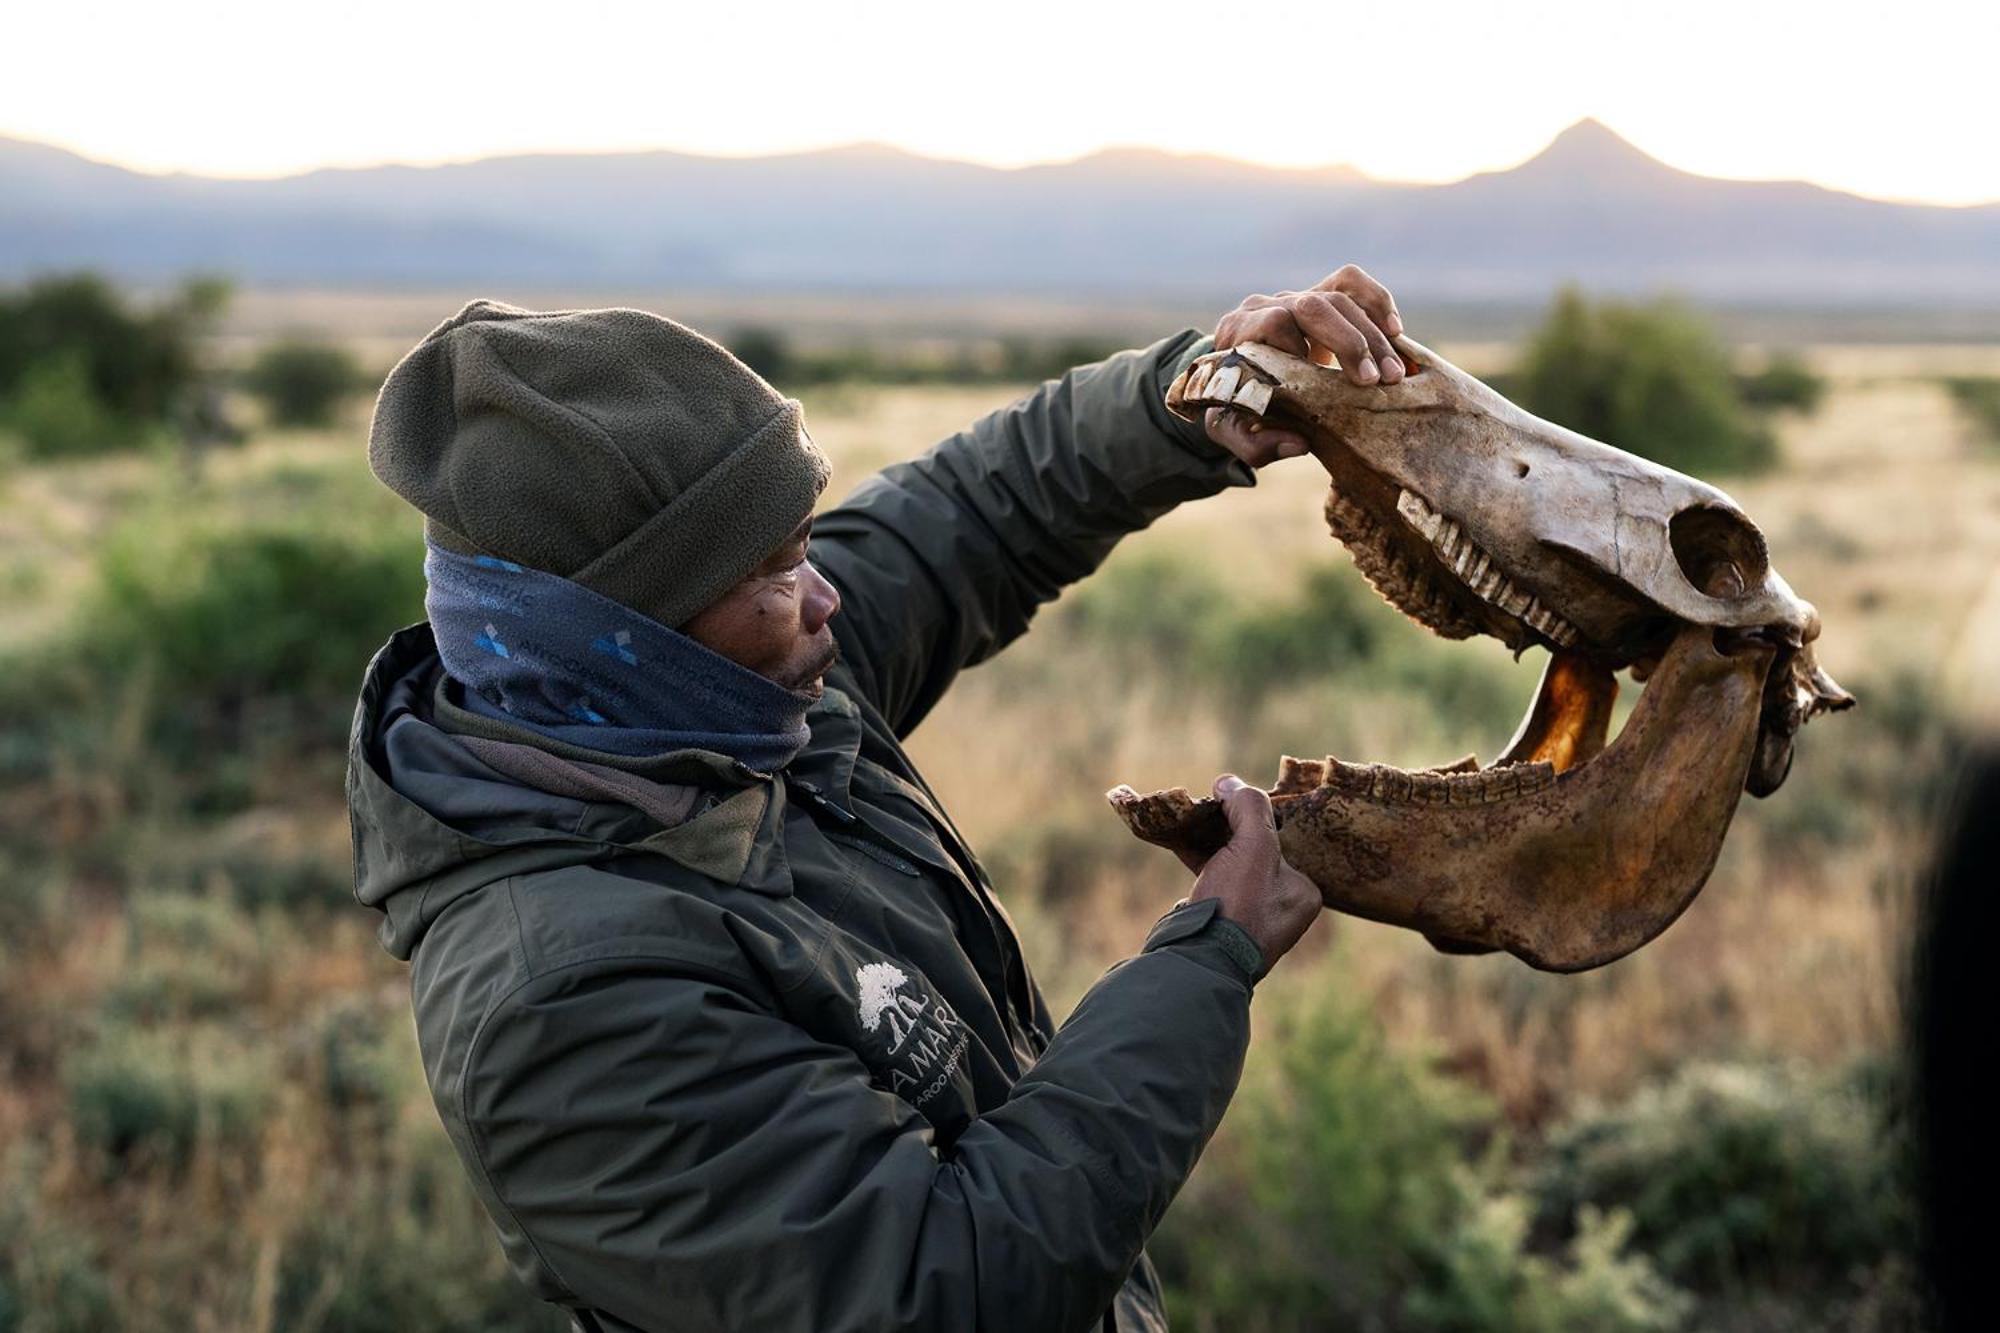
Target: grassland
211, 1115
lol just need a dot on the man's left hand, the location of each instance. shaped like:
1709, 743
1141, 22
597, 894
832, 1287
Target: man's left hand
1346, 317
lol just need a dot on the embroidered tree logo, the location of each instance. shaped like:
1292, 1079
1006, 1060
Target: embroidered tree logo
877, 983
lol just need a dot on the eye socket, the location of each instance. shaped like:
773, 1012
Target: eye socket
1721, 553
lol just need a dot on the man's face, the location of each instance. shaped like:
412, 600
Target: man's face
776, 621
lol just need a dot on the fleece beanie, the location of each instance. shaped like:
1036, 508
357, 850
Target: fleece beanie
611, 447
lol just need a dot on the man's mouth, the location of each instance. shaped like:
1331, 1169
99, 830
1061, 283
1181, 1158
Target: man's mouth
811, 678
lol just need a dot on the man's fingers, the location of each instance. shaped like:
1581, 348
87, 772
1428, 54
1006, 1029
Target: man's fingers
1347, 316
1386, 360
1271, 325
1371, 295
1324, 323
1249, 439
1227, 427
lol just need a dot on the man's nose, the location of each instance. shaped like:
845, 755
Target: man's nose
822, 600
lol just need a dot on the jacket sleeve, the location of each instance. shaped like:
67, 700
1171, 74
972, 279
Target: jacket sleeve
682, 1158
940, 561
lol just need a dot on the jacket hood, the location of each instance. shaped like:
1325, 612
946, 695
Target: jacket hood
431, 822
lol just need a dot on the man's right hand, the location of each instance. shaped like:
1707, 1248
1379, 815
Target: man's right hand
1259, 891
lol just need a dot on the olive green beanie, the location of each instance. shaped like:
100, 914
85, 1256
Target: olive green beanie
611, 447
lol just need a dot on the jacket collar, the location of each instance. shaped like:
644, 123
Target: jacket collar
736, 836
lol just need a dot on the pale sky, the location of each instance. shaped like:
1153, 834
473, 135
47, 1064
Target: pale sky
1852, 95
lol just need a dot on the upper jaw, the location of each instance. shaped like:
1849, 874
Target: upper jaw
1483, 518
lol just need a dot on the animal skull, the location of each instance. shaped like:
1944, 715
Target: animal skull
1472, 516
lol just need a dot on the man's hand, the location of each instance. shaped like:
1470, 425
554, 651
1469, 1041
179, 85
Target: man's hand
1346, 317
1259, 891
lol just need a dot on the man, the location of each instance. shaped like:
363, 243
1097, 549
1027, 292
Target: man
718, 1009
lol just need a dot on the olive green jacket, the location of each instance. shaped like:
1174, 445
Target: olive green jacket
761, 1052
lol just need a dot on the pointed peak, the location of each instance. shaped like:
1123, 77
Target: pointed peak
1591, 130
1591, 145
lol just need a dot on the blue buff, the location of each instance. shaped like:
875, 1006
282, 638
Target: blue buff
551, 655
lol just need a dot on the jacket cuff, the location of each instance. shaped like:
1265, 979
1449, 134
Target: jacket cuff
1199, 931
1181, 352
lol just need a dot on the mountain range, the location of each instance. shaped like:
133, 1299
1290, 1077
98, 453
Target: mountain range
1589, 208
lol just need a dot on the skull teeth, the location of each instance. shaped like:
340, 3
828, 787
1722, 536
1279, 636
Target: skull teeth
1402, 582
1221, 381
1476, 569
1454, 784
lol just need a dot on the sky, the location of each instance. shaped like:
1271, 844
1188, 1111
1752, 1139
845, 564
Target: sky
1845, 94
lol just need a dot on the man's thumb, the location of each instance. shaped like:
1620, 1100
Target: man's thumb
1248, 808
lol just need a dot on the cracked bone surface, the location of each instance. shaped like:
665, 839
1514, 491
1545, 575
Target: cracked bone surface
1472, 516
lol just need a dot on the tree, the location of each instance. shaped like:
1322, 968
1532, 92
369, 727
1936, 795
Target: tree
302, 382
82, 371
1651, 378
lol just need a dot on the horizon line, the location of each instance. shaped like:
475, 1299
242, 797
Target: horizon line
887, 146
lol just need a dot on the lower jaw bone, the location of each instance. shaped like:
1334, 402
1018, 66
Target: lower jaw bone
1567, 875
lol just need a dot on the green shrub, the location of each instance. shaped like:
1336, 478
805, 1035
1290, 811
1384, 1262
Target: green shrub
1741, 1176
404, 1247
155, 1095
51, 1274
1651, 379
205, 641
81, 371
1006, 361
766, 352
1334, 623
301, 382
188, 956
1171, 618
1175, 617
1355, 1187
1031, 360
1786, 381
1979, 399
220, 615
56, 413
13, 449
295, 884
1491, 1282
1154, 611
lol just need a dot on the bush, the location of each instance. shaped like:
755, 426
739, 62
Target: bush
403, 1246
1979, 399
1008, 361
1785, 382
766, 352
302, 383
1153, 612
214, 632
1335, 623
221, 615
55, 412
157, 1094
1741, 1176
1353, 1186
80, 371
51, 1275
1162, 617
1651, 379
187, 956
1491, 1281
